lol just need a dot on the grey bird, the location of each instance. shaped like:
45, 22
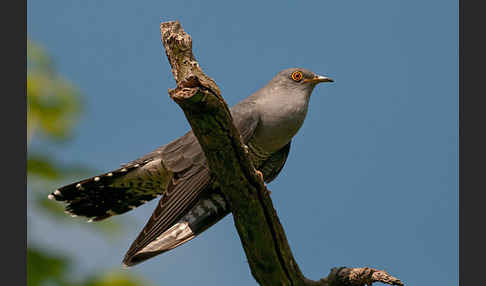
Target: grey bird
191, 201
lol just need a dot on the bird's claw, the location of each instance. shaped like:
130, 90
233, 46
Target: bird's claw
245, 147
259, 174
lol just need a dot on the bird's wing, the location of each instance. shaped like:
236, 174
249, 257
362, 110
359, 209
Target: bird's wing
245, 118
178, 155
181, 194
132, 185
273, 165
186, 159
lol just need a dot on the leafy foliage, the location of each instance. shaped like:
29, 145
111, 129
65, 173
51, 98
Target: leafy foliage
45, 268
53, 104
53, 109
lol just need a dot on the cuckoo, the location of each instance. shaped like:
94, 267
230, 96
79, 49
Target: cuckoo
178, 172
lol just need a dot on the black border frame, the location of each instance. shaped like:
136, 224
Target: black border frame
472, 143
14, 136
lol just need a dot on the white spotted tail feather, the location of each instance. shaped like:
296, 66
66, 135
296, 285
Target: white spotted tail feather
115, 192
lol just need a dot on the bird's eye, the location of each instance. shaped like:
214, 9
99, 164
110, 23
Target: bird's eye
297, 76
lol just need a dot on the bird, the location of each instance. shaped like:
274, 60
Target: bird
191, 200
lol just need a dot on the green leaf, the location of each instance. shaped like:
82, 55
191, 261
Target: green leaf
41, 166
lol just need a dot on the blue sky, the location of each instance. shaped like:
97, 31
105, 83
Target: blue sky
372, 178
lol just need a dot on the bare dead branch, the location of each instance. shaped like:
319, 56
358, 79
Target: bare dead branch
262, 236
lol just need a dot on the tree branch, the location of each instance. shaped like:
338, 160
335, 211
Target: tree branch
261, 234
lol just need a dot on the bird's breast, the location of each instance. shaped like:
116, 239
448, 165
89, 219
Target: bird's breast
278, 124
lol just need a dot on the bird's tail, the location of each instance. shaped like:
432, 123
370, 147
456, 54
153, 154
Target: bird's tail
113, 193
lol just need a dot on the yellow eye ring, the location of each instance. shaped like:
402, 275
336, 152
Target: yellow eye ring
297, 76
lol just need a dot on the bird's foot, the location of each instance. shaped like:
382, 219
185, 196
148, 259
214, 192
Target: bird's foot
259, 174
245, 147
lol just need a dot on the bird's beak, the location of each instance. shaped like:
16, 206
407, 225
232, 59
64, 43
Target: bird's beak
318, 79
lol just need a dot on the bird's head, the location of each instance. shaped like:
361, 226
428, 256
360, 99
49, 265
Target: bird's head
301, 78
295, 81
292, 86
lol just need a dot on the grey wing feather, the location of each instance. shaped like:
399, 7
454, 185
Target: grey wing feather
186, 159
178, 155
182, 193
273, 165
245, 118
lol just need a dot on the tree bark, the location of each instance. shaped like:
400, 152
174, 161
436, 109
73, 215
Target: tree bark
262, 236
